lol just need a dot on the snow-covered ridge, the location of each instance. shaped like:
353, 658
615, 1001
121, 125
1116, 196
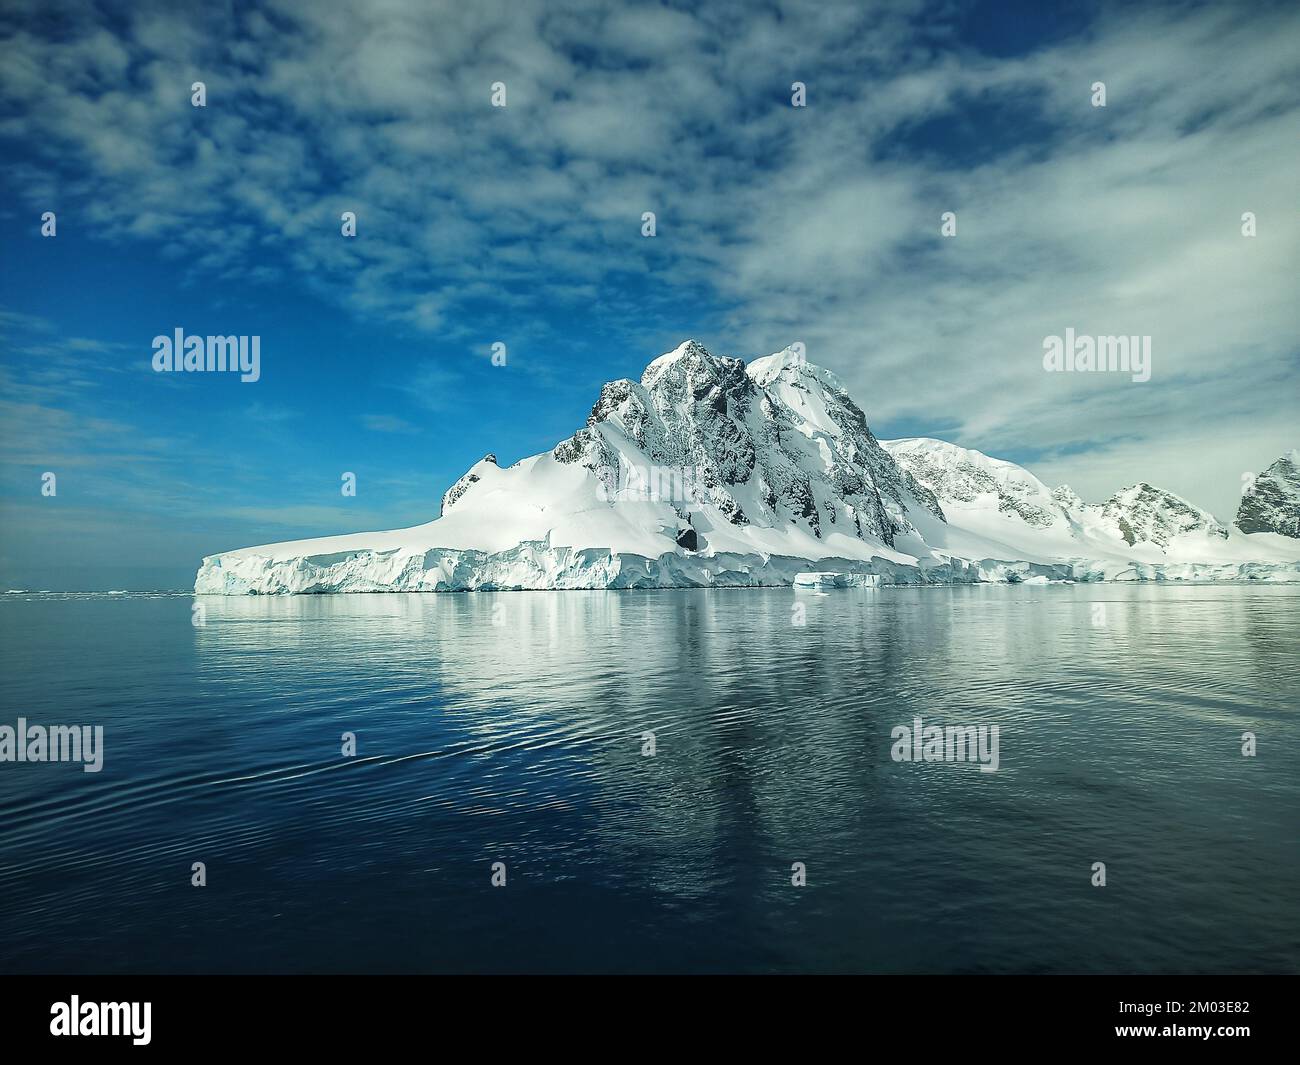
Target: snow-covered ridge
711, 472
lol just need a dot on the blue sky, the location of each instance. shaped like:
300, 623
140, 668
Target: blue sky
522, 225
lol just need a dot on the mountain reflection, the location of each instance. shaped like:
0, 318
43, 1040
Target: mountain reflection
509, 726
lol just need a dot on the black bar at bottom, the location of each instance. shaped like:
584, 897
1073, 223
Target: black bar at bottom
342, 1014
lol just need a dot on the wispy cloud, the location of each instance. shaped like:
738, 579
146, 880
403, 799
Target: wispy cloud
387, 423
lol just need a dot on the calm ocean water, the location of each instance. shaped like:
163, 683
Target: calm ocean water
508, 728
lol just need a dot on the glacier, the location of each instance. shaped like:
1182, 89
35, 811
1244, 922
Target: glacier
710, 472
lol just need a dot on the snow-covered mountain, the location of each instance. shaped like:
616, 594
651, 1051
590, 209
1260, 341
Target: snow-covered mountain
1142, 514
709, 471
1272, 502
1141, 524
958, 475
774, 444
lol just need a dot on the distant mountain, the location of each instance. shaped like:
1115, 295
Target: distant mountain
1272, 503
976, 490
959, 475
1143, 514
708, 471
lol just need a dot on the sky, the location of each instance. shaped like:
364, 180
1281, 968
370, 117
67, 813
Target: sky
522, 225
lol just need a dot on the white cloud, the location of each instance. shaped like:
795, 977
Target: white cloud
818, 224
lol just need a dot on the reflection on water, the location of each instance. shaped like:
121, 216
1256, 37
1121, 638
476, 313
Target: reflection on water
509, 727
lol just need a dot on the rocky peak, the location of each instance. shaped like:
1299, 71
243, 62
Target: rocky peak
467, 480
777, 441
1067, 499
1143, 513
687, 349
1272, 502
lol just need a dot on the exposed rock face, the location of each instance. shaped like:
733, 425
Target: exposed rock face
1272, 503
466, 481
1142, 513
777, 441
1065, 497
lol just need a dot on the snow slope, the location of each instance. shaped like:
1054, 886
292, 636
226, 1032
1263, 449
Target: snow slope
710, 472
